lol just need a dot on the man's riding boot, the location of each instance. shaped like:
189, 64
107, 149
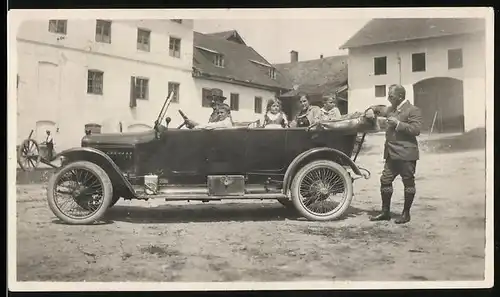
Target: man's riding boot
405, 216
385, 215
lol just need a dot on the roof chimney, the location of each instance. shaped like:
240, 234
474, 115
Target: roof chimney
294, 56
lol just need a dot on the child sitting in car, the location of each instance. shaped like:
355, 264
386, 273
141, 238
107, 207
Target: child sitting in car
274, 116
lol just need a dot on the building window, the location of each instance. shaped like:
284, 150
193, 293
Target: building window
418, 62
218, 60
103, 31
380, 91
174, 87
58, 26
92, 129
141, 89
143, 39
206, 97
455, 59
235, 101
175, 47
177, 21
95, 82
257, 104
272, 73
380, 65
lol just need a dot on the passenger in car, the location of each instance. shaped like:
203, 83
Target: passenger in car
329, 111
274, 116
217, 99
308, 115
224, 120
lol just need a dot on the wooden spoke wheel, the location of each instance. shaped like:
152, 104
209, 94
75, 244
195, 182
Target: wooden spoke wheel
28, 155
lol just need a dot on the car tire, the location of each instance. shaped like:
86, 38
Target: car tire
107, 193
334, 168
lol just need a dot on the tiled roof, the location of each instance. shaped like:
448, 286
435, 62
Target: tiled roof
238, 65
228, 34
388, 30
321, 76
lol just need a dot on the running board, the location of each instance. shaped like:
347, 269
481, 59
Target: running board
181, 193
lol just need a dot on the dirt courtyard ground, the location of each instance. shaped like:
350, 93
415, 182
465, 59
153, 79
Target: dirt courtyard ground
262, 241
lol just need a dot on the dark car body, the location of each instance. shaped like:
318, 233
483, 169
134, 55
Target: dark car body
204, 165
187, 157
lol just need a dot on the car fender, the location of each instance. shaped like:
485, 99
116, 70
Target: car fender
315, 154
98, 157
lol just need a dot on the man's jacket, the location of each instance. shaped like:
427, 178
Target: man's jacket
401, 140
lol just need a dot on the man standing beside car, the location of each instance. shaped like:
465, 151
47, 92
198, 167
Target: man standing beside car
401, 152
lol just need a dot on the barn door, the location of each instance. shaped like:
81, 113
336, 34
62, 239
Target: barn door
440, 97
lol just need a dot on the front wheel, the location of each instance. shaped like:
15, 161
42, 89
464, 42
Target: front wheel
322, 190
80, 193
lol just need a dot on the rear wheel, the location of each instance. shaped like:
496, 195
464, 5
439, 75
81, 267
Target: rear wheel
80, 193
322, 190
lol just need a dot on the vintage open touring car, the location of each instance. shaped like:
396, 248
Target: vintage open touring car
312, 169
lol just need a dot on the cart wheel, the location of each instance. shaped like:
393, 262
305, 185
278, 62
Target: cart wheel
322, 190
28, 155
80, 193
285, 202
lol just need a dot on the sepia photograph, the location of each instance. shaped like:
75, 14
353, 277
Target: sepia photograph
236, 149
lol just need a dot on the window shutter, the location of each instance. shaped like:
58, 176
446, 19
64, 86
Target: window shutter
133, 100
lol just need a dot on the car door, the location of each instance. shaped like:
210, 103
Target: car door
265, 151
184, 153
177, 155
225, 151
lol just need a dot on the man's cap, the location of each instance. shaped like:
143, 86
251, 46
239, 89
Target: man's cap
218, 94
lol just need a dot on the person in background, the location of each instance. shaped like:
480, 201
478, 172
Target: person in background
49, 142
274, 116
308, 115
401, 152
223, 120
329, 111
217, 100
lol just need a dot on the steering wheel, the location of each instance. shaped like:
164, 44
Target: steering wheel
183, 115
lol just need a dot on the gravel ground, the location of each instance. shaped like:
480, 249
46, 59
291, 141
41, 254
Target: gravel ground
262, 241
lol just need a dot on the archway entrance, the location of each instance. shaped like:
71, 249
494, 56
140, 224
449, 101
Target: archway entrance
441, 98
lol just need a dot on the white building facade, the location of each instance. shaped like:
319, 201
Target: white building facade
444, 76
73, 73
114, 76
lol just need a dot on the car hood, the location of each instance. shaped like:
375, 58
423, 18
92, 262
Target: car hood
125, 139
